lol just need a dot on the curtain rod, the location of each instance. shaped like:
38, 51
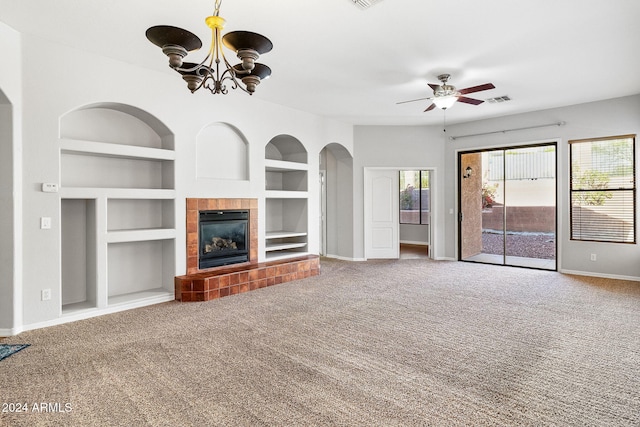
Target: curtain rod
453, 138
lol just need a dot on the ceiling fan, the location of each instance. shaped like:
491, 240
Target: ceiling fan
445, 95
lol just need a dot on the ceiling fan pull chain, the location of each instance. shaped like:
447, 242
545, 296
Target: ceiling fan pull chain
444, 121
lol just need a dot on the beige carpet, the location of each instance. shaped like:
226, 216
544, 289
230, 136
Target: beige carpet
381, 343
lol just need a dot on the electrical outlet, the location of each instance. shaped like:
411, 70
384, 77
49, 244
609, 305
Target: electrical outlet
46, 294
593, 257
45, 223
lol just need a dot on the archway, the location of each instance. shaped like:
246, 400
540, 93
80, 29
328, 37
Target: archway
336, 219
7, 216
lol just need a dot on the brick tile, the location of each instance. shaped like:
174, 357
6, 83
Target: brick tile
244, 277
233, 290
198, 285
234, 278
224, 292
192, 204
214, 283
187, 286
192, 250
224, 281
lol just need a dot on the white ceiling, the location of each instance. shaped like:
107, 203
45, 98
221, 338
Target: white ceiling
334, 59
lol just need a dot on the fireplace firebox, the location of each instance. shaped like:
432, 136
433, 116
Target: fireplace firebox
223, 237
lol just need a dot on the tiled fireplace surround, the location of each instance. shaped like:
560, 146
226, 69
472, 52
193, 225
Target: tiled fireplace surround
217, 282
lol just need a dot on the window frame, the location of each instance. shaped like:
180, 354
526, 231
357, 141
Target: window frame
632, 189
421, 210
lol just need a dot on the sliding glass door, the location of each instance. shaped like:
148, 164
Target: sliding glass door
507, 206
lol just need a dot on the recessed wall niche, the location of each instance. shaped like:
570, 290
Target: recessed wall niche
117, 198
222, 153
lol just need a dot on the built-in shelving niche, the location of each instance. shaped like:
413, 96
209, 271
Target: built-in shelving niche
117, 194
286, 204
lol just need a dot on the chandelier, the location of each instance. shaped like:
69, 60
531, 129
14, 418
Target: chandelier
215, 70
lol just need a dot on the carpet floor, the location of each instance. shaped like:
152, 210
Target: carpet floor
377, 343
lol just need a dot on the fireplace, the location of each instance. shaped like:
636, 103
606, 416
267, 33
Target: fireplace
223, 237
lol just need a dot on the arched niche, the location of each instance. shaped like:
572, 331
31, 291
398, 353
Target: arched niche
222, 152
117, 124
336, 169
119, 128
7, 223
286, 148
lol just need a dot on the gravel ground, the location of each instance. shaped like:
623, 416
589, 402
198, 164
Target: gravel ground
529, 245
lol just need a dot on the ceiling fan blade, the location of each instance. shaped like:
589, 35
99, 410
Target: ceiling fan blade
469, 100
414, 100
478, 88
430, 107
433, 86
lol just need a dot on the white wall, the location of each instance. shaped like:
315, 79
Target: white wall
400, 147
163, 95
619, 116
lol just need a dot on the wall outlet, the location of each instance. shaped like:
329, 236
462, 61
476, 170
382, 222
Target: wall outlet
593, 257
45, 223
46, 294
48, 187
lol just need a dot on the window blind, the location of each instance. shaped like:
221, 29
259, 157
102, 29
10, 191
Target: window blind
603, 189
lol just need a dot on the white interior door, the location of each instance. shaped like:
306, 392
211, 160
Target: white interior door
381, 213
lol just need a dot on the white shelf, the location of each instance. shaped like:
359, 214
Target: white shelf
279, 255
284, 246
281, 194
78, 307
116, 193
284, 234
283, 166
73, 146
142, 297
122, 236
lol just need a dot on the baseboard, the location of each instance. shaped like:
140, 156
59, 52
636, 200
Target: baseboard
88, 314
444, 258
4, 333
601, 275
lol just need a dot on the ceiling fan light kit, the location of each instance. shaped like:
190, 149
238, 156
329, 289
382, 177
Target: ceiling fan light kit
445, 95
214, 70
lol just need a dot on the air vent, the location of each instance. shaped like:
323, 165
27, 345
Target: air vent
499, 99
365, 4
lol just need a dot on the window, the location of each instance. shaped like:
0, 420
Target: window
414, 197
603, 189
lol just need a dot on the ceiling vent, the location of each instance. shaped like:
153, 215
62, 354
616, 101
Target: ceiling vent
499, 99
365, 4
